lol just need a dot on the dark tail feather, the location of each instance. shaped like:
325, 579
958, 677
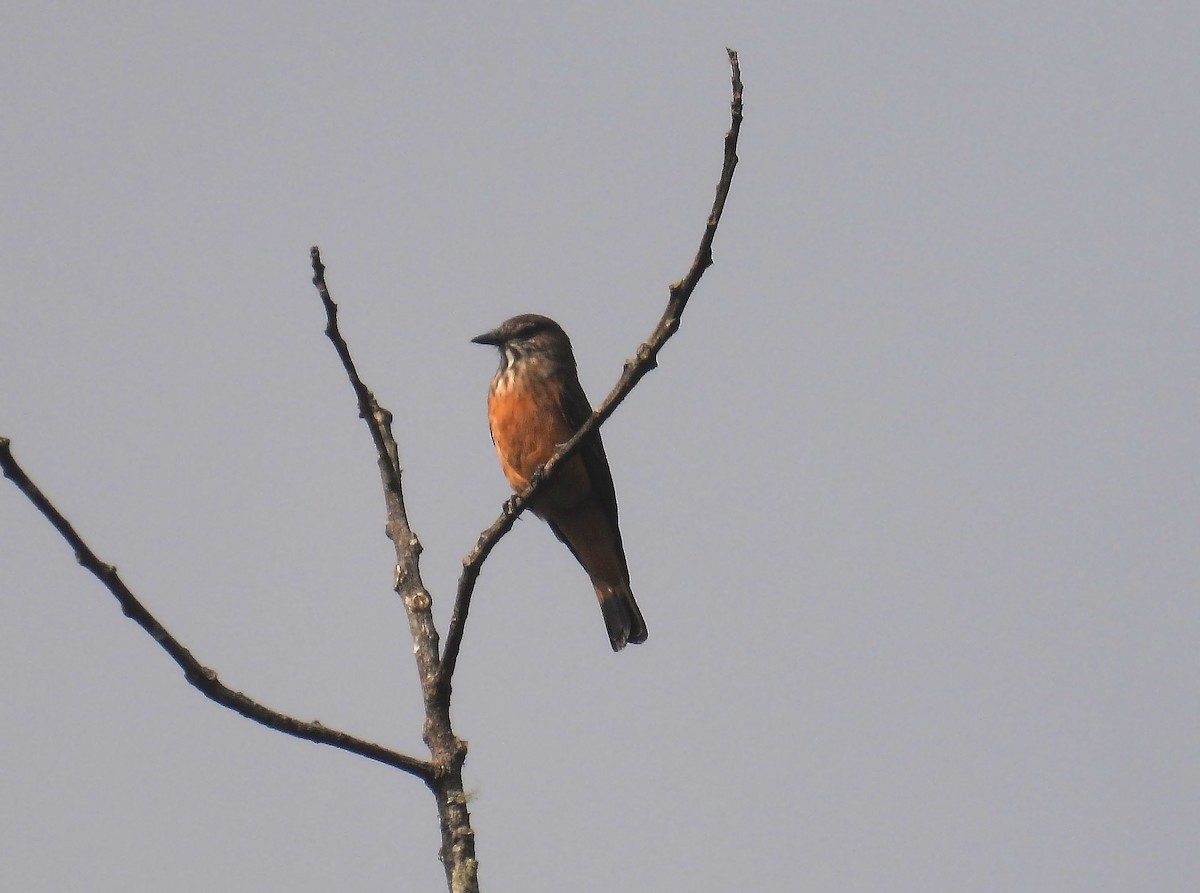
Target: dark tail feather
621, 615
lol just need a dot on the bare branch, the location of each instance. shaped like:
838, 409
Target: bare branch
448, 751
408, 585
635, 370
443, 772
367, 405
196, 673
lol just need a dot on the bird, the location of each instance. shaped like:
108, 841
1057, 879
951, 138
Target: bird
535, 404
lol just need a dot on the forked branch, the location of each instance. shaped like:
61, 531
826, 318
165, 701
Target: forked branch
447, 751
442, 773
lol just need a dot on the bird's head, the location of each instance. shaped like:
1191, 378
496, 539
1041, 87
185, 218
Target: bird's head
529, 335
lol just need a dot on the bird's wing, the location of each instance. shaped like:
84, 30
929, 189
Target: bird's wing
575, 408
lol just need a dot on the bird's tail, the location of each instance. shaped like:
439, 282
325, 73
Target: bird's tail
621, 615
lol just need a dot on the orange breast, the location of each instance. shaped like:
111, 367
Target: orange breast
527, 427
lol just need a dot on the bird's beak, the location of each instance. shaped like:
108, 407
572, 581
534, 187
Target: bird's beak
492, 337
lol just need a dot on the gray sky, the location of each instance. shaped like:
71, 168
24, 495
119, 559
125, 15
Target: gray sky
911, 505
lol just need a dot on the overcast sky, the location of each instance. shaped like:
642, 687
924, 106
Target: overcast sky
911, 505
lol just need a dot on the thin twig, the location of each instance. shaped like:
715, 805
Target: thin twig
635, 370
367, 405
196, 673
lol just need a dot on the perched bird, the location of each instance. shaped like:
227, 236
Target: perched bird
535, 404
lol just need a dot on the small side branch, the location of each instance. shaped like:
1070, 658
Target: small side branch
635, 370
196, 673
